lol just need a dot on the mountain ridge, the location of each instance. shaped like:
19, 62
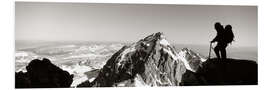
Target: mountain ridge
191, 67
150, 61
153, 61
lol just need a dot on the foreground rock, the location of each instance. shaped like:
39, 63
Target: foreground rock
43, 74
224, 72
152, 61
230, 72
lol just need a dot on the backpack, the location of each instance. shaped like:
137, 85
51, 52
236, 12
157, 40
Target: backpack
229, 36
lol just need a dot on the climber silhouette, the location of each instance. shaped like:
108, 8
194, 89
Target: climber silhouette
223, 37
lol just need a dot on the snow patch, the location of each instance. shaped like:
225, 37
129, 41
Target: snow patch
164, 42
91, 79
78, 81
76, 68
126, 51
78, 72
203, 59
181, 56
171, 54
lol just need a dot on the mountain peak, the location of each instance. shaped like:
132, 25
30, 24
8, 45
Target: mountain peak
157, 35
149, 62
191, 59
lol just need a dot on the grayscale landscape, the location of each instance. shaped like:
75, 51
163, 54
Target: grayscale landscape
78, 58
70, 45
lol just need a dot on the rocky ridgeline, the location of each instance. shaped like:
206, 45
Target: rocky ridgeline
151, 61
42, 74
193, 60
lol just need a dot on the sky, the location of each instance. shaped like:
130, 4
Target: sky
181, 24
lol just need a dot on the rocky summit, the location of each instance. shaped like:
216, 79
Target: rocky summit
151, 61
43, 74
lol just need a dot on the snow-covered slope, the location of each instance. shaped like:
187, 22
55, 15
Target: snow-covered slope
78, 72
77, 59
151, 61
191, 59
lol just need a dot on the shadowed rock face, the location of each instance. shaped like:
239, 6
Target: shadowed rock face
22, 80
148, 62
224, 72
230, 72
43, 74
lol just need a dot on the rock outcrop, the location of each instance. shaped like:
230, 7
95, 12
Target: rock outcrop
43, 74
229, 72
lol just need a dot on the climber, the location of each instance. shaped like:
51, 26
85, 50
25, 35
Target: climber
223, 38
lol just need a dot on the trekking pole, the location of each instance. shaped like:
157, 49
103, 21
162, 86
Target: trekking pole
209, 56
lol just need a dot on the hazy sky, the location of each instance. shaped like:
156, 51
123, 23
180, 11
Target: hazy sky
182, 24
